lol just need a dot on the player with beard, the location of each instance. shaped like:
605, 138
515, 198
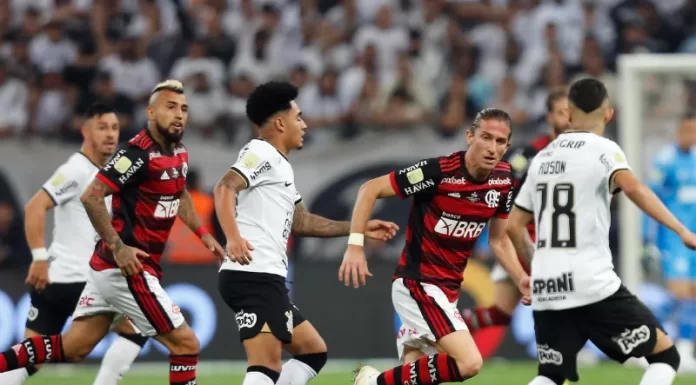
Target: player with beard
507, 296
57, 276
147, 181
454, 198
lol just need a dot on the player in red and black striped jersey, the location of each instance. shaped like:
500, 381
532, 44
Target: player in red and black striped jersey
506, 294
454, 197
147, 179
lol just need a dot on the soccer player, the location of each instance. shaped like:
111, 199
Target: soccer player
576, 295
673, 179
454, 197
147, 178
259, 205
507, 295
57, 276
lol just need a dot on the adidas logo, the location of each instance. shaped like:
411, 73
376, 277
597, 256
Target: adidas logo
165, 176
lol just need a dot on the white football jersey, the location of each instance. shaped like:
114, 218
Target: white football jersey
73, 235
568, 191
265, 209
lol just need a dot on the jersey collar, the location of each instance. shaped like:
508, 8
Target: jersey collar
281, 154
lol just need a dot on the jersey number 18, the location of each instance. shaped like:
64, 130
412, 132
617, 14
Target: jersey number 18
561, 208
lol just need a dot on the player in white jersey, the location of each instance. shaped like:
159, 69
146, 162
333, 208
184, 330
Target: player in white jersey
258, 206
58, 275
576, 295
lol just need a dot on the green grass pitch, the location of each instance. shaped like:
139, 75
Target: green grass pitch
493, 373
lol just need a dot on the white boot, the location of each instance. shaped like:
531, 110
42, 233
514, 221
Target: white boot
365, 374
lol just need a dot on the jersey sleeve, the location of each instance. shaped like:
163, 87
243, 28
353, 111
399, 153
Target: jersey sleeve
254, 165
127, 167
421, 178
505, 204
525, 196
613, 160
65, 184
298, 197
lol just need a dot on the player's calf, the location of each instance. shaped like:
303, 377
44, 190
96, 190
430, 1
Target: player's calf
309, 355
664, 362
264, 352
183, 360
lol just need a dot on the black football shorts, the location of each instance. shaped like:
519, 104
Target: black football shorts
52, 307
261, 304
621, 326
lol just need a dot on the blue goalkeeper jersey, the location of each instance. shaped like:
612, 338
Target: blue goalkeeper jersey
673, 179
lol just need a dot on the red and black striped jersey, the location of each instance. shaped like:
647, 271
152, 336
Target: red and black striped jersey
449, 212
520, 159
148, 181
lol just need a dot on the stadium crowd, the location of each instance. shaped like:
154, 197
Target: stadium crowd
360, 64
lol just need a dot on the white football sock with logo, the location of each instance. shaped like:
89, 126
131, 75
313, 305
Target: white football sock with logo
117, 361
14, 377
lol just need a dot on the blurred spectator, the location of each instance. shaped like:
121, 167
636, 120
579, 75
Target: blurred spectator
456, 106
322, 110
27, 24
254, 62
19, 64
103, 90
412, 85
14, 251
198, 62
205, 99
387, 38
220, 45
234, 109
594, 65
366, 109
52, 105
14, 97
511, 100
52, 51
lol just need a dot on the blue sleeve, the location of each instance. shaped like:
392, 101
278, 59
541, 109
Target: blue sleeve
657, 180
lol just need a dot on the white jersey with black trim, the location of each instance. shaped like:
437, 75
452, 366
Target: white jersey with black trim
73, 235
568, 190
265, 209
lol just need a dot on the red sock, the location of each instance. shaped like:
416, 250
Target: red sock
429, 370
485, 317
32, 351
182, 370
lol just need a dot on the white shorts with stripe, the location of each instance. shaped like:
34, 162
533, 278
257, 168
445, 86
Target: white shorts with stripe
139, 298
426, 315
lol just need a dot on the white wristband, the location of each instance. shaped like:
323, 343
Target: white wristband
39, 254
356, 239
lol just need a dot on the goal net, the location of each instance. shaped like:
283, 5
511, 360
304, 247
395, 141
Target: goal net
654, 94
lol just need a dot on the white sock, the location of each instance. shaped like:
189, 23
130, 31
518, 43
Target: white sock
257, 378
686, 349
640, 362
117, 361
296, 373
541, 380
658, 374
14, 377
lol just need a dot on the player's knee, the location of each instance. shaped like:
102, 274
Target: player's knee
316, 361
76, 353
670, 357
471, 366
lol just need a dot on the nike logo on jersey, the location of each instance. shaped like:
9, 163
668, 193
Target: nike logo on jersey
287, 184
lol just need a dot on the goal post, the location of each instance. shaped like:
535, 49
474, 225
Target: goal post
632, 70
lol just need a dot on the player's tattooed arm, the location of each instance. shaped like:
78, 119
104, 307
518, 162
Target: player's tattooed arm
93, 198
187, 212
225, 195
306, 224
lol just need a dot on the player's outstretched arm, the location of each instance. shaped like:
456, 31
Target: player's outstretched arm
354, 266
503, 248
225, 194
35, 228
519, 235
187, 213
645, 198
306, 224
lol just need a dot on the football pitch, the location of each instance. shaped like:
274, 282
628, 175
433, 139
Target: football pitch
493, 373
